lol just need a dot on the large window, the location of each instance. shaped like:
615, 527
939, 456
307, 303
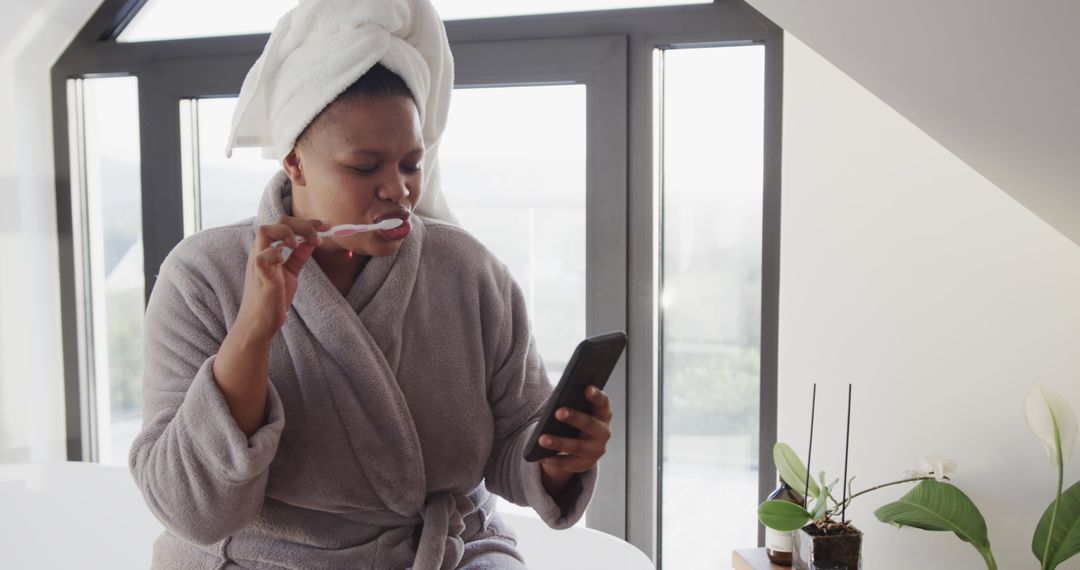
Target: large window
712, 158
218, 190
107, 201
525, 198
621, 160
526, 201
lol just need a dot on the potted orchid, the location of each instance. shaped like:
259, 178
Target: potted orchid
824, 538
937, 505
818, 537
822, 541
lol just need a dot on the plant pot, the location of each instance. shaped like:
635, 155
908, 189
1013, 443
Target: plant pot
838, 549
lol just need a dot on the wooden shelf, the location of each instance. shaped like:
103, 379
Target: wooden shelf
753, 559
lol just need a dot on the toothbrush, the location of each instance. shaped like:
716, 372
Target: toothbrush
345, 230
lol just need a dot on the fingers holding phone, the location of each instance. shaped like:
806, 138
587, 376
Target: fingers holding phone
581, 453
576, 420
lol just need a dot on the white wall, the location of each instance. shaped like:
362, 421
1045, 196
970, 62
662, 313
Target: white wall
937, 295
33, 33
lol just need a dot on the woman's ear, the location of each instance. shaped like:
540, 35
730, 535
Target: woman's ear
294, 168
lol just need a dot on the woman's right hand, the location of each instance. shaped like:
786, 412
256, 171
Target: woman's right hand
242, 365
270, 280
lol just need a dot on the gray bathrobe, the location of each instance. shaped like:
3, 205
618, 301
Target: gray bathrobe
393, 412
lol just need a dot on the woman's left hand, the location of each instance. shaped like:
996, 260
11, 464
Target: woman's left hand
578, 454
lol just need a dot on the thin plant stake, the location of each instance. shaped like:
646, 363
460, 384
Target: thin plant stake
847, 445
810, 448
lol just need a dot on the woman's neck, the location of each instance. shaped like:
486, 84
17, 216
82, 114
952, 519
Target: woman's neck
341, 266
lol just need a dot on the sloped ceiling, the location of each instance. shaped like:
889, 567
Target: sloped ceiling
35, 32
997, 82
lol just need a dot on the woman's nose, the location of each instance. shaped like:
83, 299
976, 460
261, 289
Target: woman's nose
395, 190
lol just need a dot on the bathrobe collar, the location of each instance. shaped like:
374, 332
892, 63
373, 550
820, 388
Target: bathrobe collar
361, 337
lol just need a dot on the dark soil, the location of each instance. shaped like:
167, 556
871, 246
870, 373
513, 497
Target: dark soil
830, 528
831, 546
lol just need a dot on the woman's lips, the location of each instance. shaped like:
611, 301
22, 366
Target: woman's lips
398, 233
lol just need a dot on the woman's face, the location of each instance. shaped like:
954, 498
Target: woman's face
359, 163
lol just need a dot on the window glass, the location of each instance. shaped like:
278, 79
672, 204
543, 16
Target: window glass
524, 198
462, 10
516, 181
112, 277
712, 162
176, 19
228, 190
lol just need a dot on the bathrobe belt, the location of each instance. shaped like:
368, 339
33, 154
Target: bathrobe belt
441, 546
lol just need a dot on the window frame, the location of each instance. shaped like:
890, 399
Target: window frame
168, 71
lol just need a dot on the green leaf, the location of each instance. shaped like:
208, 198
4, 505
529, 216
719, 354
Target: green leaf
783, 516
932, 505
792, 470
1065, 542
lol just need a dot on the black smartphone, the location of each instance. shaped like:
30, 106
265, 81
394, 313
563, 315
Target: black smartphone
592, 363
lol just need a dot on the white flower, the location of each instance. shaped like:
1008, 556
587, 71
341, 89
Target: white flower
1053, 421
937, 465
934, 465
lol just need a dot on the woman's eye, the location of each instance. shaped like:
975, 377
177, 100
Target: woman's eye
413, 168
366, 169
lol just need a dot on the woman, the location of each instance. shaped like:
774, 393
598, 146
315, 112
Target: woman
347, 402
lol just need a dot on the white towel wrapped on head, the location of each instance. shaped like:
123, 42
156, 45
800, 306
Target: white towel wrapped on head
320, 48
